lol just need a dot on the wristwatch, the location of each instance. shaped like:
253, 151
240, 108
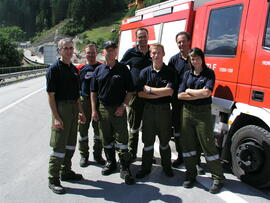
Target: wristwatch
125, 105
148, 90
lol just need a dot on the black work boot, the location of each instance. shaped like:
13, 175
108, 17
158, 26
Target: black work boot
97, 154
99, 159
189, 182
200, 169
142, 173
177, 162
84, 161
110, 166
147, 160
71, 176
125, 173
55, 186
216, 187
168, 171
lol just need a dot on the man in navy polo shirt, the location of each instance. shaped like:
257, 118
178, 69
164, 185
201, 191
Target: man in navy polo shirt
86, 75
63, 94
179, 63
137, 58
113, 88
156, 86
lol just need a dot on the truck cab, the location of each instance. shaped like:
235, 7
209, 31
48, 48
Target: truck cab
235, 37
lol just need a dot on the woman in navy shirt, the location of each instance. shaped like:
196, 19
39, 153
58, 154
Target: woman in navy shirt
197, 129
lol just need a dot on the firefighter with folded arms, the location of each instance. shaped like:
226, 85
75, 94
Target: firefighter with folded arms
86, 75
156, 86
197, 128
112, 87
137, 58
63, 95
180, 64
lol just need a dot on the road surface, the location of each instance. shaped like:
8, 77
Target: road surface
24, 141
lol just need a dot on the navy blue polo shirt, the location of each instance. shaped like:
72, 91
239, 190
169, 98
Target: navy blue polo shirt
205, 80
63, 79
86, 75
180, 66
137, 61
152, 78
111, 85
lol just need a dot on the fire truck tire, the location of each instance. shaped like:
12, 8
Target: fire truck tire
250, 152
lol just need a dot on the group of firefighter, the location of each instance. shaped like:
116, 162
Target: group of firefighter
121, 98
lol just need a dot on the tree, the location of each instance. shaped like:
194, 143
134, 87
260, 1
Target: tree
13, 33
9, 55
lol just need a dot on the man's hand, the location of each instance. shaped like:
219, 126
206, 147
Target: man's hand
95, 116
82, 118
188, 91
58, 123
120, 110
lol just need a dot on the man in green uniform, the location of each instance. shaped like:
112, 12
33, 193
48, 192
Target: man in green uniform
113, 88
86, 75
63, 95
156, 85
137, 58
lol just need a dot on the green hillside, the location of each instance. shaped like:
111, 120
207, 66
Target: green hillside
106, 28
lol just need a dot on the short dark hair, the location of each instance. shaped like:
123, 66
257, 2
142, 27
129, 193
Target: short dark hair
91, 45
141, 29
197, 52
187, 34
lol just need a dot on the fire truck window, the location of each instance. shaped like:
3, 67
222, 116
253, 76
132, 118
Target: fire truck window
267, 31
223, 31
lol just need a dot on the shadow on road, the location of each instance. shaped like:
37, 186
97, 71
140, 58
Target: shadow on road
138, 193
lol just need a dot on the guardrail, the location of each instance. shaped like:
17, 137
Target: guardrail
13, 74
5, 70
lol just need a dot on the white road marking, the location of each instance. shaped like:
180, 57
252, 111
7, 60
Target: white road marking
225, 194
20, 100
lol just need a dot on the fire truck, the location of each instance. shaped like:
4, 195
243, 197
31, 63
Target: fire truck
235, 37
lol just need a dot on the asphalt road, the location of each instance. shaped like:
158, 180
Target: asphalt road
24, 142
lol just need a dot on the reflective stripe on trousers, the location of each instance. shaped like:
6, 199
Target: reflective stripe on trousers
212, 158
118, 146
83, 138
189, 154
68, 147
164, 148
110, 146
59, 155
149, 148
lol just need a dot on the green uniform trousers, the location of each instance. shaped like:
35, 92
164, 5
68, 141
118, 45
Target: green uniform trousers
156, 121
177, 110
113, 130
63, 141
134, 119
197, 130
84, 128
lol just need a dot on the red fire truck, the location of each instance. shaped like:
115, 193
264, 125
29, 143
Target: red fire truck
235, 36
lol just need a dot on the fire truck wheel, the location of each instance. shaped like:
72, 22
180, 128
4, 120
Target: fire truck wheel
250, 152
